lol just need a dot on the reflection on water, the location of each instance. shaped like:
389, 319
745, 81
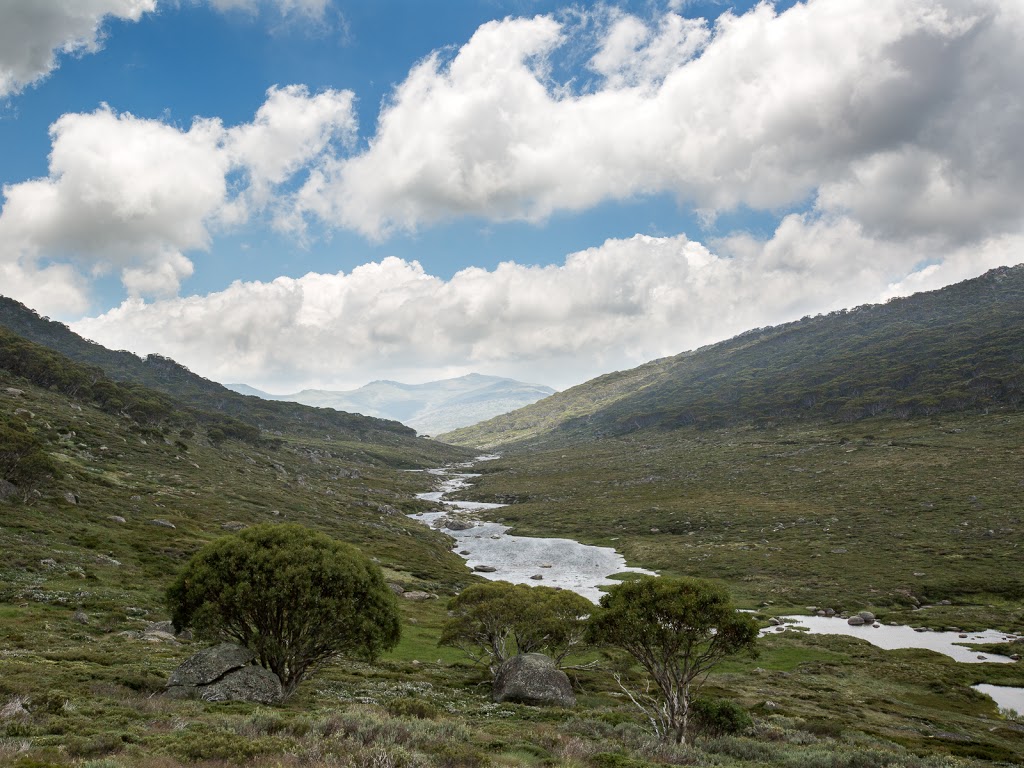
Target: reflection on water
1005, 696
891, 637
520, 559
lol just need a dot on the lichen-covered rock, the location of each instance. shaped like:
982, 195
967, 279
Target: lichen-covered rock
418, 595
211, 664
533, 678
251, 683
7, 489
224, 673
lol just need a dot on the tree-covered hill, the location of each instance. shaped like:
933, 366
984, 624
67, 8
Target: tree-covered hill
165, 375
955, 349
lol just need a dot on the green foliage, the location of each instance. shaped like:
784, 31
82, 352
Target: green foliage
496, 620
410, 707
23, 458
677, 630
297, 598
712, 717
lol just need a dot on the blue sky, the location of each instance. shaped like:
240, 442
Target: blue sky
319, 193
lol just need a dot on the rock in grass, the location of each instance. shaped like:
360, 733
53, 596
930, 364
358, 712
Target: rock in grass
163, 523
224, 673
868, 616
418, 596
80, 617
533, 678
7, 489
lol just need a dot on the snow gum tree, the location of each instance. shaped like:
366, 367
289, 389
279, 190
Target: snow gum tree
677, 630
295, 597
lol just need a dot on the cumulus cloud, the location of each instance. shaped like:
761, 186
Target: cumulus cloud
136, 194
612, 306
904, 114
34, 32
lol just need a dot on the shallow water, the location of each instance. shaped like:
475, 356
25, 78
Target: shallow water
561, 563
894, 636
1005, 696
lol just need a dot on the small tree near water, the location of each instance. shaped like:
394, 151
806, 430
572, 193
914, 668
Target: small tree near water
677, 630
295, 597
494, 621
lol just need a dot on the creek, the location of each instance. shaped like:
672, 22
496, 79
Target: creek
892, 636
1005, 696
584, 569
561, 563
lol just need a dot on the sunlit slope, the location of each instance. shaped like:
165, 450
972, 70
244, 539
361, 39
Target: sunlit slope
959, 348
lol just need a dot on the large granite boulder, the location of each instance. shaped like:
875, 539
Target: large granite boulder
533, 678
224, 672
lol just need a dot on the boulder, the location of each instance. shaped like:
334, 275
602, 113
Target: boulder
80, 617
454, 524
251, 683
418, 595
163, 523
533, 678
855, 621
397, 588
224, 673
7, 489
868, 616
484, 568
537, 577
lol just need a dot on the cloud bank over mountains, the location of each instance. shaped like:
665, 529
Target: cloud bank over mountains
886, 137
606, 308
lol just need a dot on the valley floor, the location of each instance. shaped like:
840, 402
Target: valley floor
879, 515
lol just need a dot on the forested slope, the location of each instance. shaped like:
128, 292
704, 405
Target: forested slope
955, 349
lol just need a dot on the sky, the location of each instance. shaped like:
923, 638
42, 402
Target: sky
320, 193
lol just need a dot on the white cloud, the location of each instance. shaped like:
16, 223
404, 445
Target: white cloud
612, 306
310, 9
34, 32
903, 114
136, 194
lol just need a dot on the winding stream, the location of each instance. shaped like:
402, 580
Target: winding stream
561, 563
584, 569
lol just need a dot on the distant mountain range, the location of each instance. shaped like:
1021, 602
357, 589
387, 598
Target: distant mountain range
430, 408
955, 349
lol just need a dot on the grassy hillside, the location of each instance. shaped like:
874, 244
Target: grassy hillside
165, 375
82, 576
957, 349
